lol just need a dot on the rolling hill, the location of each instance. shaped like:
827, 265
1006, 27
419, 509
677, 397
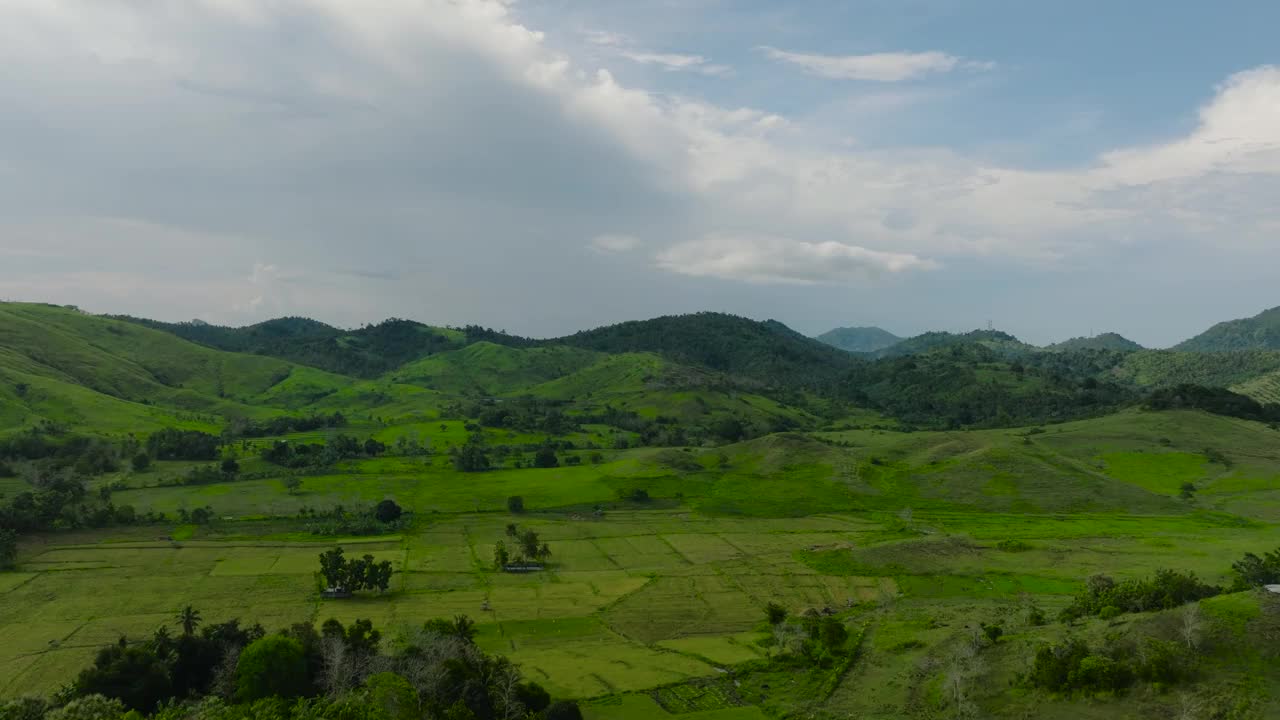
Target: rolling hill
859, 339
1260, 332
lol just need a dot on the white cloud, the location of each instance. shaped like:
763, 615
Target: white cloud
880, 67
675, 62
611, 243
783, 260
447, 142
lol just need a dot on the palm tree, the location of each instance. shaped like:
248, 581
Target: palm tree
189, 619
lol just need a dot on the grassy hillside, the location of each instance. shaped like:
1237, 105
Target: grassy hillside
859, 339
1163, 368
1260, 332
484, 368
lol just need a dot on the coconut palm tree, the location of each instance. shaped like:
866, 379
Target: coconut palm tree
189, 619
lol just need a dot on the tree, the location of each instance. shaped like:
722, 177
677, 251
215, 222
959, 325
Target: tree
533, 697
515, 504
775, 613
546, 457
1187, 491
833, 634
500, 555
564, 710
132, 675
393, 696
273, 666
92, 707
141, 462
293, 484
188, 620
387, 511
230, 467
8, 548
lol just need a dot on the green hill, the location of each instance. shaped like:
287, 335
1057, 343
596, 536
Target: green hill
1260, 332
367, 352
996, 340
859, 339
766, 352
1105, 341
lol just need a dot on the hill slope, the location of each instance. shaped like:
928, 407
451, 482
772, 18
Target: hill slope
859, 339
1260, 332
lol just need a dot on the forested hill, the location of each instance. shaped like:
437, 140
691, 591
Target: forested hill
764, 351
859, 339
367, 352
1105, 341
1001, 342
1260, 332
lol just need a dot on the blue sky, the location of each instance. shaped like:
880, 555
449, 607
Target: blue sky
1055, 168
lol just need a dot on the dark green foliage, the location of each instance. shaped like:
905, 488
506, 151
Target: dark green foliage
1075, 667
533, 696
273, 666
1219, 401
283, 425
387, 511
471, 457
545, 457
515, 504
1253, 571
141, 462
1187, 491
318, 455
174, 444
8, 548
993, 633
1105, 341
633, 494
133, 675
1167, 589
350, 576
775, 613
564, 710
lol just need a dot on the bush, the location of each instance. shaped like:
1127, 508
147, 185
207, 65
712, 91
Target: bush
91, 707
387, 511
273, 666
1110, 612
515, 504
564, 710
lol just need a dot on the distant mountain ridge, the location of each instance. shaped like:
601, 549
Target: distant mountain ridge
859, 339
1260, 332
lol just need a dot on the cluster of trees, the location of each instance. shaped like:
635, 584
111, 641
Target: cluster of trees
349, 576
384, 517
175, 444
816, 637
339, 672
60, 501
1075, 666
283, 425
1253, 571
1217, 400
313, 455
1168, 589
527, 549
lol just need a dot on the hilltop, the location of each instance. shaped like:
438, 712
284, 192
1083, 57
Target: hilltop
1104, 341
859, 339
1260, 332
996, 340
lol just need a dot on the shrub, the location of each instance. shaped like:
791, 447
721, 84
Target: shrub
515, 504
387, 511
1110, 612
564, 710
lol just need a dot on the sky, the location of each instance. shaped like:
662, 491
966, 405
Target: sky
543, 166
